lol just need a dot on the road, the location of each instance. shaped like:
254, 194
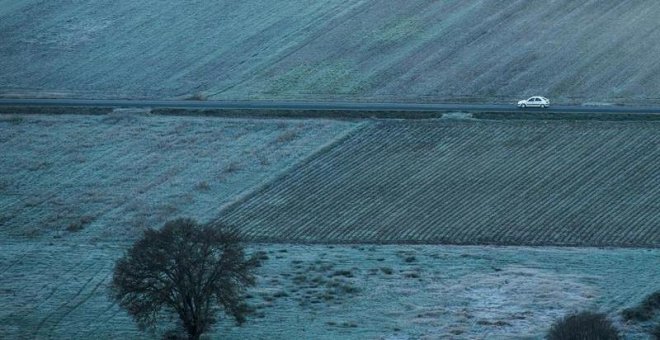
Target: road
283, 105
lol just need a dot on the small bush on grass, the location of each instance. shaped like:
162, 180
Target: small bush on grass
203, 186
645, 310
346, 273
79, 224
287, 136
232, 167
200, 96
583, 326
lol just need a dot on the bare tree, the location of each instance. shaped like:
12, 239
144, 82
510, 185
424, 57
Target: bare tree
187, 269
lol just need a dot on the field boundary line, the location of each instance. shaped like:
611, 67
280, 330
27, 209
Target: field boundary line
228, 207
339, 113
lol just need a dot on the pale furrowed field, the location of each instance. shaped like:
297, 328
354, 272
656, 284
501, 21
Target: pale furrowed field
469, 182
111, 176
76, 190
59, 291
413, 50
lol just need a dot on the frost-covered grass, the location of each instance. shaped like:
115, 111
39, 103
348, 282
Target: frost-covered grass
58, 290
414, 50
110, 176
75, 191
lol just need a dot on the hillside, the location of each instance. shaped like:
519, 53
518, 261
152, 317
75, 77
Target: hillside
111, 176
417, 50
76, 191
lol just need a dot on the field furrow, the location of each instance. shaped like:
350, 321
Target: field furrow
583, 183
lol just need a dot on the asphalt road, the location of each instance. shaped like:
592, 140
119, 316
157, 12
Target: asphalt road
281, 105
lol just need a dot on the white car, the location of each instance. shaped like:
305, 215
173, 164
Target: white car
536, 101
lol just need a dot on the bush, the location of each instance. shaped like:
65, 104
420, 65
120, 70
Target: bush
583, 326
645, 310
200, 96
79, 224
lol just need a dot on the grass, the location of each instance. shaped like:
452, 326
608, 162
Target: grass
198, 96
65, 277
409, 51
53, 281
203, 186
12, 119
232, 167
124, 178
79, 224
287, 136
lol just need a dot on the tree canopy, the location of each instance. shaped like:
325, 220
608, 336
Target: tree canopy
187, 269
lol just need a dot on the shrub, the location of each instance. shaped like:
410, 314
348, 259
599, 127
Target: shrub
583, 326
200, 96
80, 224
645, 310
203, 186
346, 273
232, 167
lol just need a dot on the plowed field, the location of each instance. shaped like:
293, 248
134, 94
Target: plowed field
469, 182
344, 50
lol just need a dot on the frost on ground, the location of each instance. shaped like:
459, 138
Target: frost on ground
109, 177
457, 115
414, 50
59, 289
76, 190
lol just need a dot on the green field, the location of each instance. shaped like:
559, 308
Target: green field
469, 182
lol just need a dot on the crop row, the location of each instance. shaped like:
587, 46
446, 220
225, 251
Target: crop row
469, 182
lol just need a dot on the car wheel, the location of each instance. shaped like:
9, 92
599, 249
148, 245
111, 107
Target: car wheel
524, 106
544, 106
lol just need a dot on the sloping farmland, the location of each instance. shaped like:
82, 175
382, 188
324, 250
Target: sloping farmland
110, 176
469, 182
413, 50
